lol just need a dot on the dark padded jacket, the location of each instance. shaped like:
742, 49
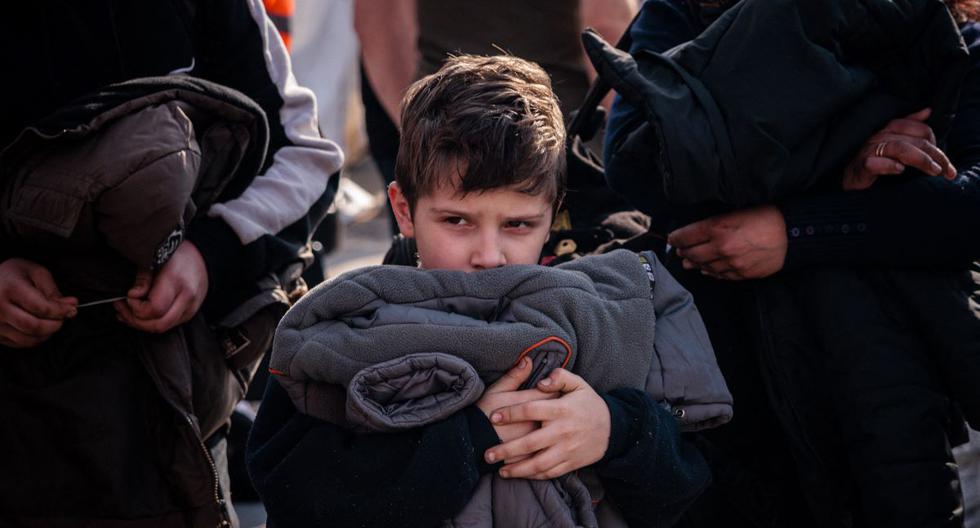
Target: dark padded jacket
98, 408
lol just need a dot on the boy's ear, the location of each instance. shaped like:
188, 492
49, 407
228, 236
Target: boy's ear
403, 213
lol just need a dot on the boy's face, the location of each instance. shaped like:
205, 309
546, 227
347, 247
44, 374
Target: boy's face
480, 230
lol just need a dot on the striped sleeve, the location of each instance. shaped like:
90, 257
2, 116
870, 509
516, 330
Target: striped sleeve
244, 51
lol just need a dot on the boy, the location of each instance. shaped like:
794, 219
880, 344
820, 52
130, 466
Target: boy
479, 175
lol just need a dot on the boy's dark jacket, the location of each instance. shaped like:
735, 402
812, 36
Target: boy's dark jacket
101, 406
806, 326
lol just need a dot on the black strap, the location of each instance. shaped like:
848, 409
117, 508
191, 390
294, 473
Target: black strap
598, 89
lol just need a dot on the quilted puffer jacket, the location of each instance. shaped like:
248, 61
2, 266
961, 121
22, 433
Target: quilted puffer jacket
390, 347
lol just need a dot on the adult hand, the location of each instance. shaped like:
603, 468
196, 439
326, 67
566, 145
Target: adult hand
504, 393
574, 430
905, 142
31, 307
158, 303
744, 244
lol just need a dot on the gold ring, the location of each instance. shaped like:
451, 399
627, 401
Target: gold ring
880, 149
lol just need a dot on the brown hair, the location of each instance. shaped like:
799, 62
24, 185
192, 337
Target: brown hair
495, 119
964, 10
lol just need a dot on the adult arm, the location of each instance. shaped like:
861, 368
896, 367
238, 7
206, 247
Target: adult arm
262, 224
388, 32
313, 473
915, 223
919, 222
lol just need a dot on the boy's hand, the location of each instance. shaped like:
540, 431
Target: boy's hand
158, 303
504, 393
574, 430
31, 307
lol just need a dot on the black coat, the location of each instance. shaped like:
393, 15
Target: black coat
825, 363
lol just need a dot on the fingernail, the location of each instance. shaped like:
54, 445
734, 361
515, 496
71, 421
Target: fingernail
899, 167
545, 382
525, 362
680, 252
496, 418
72, 313
491, 457
504, 473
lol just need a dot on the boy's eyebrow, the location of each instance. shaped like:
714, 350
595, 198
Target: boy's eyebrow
529, 217
456, 212
445, 211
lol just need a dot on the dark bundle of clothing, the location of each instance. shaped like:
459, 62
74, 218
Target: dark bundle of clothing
771, 100
101, 188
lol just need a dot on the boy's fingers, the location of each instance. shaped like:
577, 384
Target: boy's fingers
560, 380
513, 378
544, 465
539, 464
532, 411
526, 445
555, 472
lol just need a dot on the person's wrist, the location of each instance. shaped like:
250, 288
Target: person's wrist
621, 428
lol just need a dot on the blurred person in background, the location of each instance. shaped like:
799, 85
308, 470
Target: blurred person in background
404, 40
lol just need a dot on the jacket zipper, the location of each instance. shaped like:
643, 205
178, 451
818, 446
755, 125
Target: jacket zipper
218, 499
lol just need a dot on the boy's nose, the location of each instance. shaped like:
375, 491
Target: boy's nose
488, 253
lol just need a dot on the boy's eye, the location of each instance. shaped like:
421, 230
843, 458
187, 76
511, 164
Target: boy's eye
518, 224
455, 220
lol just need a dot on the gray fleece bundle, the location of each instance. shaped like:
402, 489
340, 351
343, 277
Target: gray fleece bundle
387, 348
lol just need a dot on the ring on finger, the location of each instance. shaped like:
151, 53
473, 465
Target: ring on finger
880, 149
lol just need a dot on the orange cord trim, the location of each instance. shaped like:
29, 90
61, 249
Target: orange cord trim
283, 8
568, 349
277, 372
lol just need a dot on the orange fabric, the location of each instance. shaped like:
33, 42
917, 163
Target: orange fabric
284, 8
568, 349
